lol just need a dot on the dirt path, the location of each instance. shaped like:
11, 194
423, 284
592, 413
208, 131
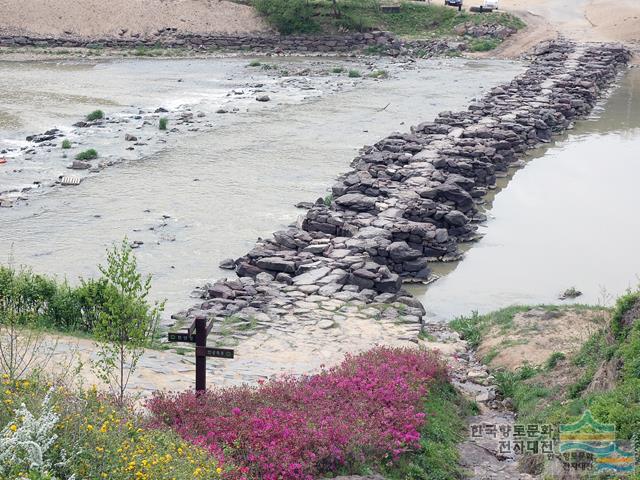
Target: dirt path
580, 20
125, 18
292, 346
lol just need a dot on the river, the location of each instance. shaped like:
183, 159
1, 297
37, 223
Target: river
208, 195
569, 218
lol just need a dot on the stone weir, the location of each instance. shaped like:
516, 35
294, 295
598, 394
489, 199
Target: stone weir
411, 198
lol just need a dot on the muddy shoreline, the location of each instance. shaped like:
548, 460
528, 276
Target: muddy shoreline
410, 200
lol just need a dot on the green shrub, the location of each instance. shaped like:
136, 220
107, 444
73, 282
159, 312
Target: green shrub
254, 63
379, 74
337, 70
288, 16
66, 144
354, 74
162, 125
483, 44
469, 328
95, 115
553, 360
623, 305
87, 155
328, 200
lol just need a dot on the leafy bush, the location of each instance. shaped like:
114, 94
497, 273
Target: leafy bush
162, 125
54, 433
413, 19
40, 301
87, 154
354, 74
288, 16
95, 115
66, 144
368, 410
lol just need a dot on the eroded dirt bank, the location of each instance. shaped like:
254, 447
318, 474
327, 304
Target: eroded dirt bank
125, 18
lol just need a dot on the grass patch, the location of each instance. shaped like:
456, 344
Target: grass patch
95, 115
617, 401
554, 359
379, 74
254, 63
66, 144
472, 328
413, 20
354, 74
438, 457
483, 44
337, 70
162, 124
87, 154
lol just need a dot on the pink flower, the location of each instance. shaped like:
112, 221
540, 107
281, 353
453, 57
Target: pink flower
367, 409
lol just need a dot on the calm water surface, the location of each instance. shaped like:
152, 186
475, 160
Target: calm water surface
569, 218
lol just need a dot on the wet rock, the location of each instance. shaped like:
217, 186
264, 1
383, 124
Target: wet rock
130, 138
311, 276
80, 165
276, 264
401, 252
263, 98
227, 264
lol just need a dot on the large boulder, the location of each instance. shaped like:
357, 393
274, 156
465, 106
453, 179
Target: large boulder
402, 252
276, 264
357, 202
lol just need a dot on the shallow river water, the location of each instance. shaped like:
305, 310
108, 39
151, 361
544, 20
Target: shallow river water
211, 195
569, 218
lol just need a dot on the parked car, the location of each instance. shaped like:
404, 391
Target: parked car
453, 3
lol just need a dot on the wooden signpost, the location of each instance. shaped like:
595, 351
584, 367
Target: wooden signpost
197, 333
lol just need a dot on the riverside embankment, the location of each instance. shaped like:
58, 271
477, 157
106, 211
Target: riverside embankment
410, 199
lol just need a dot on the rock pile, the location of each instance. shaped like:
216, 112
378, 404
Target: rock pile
413, 197
378, 41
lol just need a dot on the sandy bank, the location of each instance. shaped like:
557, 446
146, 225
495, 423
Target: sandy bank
125, 18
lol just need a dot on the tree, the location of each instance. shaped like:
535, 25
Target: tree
126, 322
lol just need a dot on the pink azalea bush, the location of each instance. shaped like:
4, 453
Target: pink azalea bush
367, 410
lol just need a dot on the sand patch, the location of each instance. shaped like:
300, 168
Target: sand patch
125, 18
536, 334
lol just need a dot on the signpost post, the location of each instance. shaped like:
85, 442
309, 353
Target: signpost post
197, 333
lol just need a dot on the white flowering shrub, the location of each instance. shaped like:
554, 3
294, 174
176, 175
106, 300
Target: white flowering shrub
25, 442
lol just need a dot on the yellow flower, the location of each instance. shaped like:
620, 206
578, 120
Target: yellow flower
90, 428
197, 472
13, 428
218, 470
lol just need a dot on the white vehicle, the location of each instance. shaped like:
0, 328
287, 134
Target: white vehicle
490, 4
